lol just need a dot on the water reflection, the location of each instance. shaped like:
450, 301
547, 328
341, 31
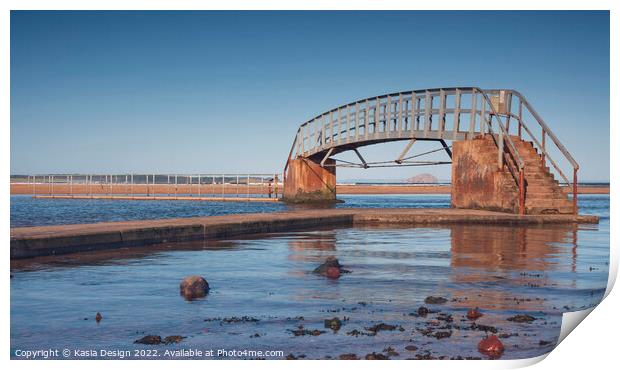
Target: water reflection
502, 270
513, 247
494, 266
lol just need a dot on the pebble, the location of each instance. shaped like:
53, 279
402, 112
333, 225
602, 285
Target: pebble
491, 346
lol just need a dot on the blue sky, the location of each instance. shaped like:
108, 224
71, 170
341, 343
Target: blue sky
210, 92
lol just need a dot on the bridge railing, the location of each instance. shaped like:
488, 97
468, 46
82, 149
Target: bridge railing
513, 105
447, 113
155, 186
454, 113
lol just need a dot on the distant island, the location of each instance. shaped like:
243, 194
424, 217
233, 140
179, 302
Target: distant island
423, 178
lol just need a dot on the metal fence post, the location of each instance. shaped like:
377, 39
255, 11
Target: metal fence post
500, 151
542, 154
520, 116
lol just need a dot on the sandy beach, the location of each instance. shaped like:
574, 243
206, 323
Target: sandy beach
232, 189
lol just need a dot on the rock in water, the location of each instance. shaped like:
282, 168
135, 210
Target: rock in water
491, 346
331, 261
474, 314
173, 339
376, 356
521, 318
149, 339
333, 324
435, 300
194, 287
423, 178
422, 311
98, 317
333, 273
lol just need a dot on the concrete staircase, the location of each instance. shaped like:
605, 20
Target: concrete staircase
543, 194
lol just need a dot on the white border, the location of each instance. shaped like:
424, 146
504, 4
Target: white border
579, 349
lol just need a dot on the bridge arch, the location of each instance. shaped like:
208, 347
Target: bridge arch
457, 114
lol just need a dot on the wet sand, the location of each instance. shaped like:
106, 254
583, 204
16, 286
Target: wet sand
232, 189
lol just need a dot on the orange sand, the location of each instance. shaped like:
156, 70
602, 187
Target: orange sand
205, 190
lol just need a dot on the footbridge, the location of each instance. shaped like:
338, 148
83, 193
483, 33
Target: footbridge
504, 156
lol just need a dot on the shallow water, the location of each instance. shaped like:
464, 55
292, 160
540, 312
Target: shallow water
539, 271
28, 211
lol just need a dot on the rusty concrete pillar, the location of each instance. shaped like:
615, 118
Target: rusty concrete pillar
477, 183
306, 181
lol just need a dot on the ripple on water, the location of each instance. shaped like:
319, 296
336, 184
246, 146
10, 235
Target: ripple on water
505, 271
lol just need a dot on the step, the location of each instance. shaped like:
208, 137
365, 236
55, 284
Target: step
550, 202
545, 192
532, 160
548, 210
532, 168
536, 166
538, 175
546, 201
538, 189
550, 184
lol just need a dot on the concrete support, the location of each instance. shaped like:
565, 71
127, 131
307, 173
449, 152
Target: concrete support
477, 183
307, 182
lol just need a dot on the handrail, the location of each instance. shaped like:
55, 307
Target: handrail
547, 156
546, 128
514, 153
546, 131
511, 145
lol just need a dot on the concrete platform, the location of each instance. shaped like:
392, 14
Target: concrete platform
27, 242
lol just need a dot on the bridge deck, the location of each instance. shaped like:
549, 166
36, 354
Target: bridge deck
29, 242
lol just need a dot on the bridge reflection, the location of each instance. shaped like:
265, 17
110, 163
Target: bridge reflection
491, 267
485, 260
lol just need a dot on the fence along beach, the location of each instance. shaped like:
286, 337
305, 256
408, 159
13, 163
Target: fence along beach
197, 187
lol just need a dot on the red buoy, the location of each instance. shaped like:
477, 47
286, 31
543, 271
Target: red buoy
491, 346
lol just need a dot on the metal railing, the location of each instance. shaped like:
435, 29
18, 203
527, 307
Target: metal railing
525, 111
454, 113
156, 186
425, 114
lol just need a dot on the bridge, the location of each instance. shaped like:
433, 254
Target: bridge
504, 157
